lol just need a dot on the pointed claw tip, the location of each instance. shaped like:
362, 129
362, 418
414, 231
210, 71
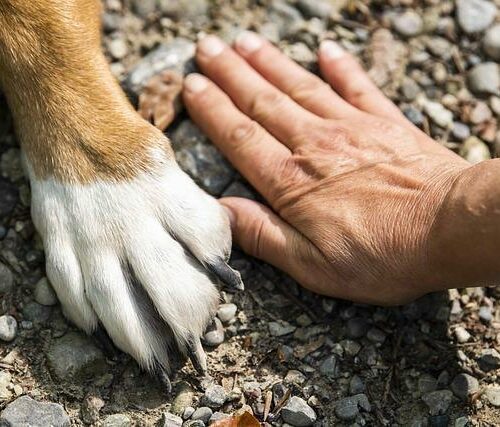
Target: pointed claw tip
227, 275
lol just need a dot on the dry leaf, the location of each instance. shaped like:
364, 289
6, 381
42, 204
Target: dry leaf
302, 351
159, 100
246, 419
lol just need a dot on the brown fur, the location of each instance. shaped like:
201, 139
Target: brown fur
72, 119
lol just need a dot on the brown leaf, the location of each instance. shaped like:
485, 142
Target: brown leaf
159, 100
246, 419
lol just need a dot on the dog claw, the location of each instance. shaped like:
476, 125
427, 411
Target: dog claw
164, 380
230, 277
197, 356
105, 343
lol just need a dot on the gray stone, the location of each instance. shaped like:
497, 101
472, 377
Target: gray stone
460, 131
315, 8
409, 89
356, 385
474, 151
439, 421
485, 314
426, 383
475, 16
204, 413
226, 312
214, 335
279, 329
143, 8
24, 411
376, 335
214, 396
194, 423
176, 55
183, 398
438, 401
200, 159
218, 416
462, 422
462, 335
484, 78
408, 24
6, 277
349, 407
74, 356
286, 17
294, 377
463, 385
170, 420
414, 115
329, 367
44, 294
194, 11
492, 394
357, 327
36, 313
117, 420
188, 411
351, 348
298, 413
491, 42
8, 197
438, 114
489, 359
8, 328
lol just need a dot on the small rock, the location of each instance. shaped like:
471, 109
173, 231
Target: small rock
91, 406
492, 394
348, 407
414, 116
74, 356
294, 377
484, 78
474, 150
462, 422
316, 8
438, 401
183, 398
408, 24
279, 329
143, 8
298, 413
329, 367
6, 276
214, 396
439, 421
463, 385
226, 312
460, 131
462, 335
44, 294
8, 328
286, 17
5, 386
475, 16
491, 42
36, 313
485, 314
376, 335
426, 383
214, 334
204, 413
193, 423
351, 348
480, 113
188, 411
194, 11
438, 114
24, 411
170, 420
117, 420
409, 89
218, 416
356, 385
489, 359
118, 48
357, 327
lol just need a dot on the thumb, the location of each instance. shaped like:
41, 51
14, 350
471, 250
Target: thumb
259, 232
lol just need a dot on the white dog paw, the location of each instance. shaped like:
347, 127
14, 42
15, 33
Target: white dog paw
139, 257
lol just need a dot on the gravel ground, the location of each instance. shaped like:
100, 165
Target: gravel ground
290, 357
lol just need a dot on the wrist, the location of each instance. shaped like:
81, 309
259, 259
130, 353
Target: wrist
465, 238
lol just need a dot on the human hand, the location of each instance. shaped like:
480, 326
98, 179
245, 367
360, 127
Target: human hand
354, 188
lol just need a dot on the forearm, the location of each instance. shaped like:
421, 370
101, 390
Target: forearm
465, 239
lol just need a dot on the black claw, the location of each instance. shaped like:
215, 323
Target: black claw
197, 356
164, 380
230, 277
105, 343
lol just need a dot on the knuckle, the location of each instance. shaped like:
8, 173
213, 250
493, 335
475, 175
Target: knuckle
243, 131
308, 89
266, 103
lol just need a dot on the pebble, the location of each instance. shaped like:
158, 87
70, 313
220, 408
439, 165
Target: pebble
493, 395
117, 420
287, 18
118, 48
348, 408
316, 8
204, 413
294, 377
462, 335
279, 329
194, 11
10, 196
214, 335
438, 401
24, 411
414, 116
329, 367
409, 89
485, 314
191, 423
480, 113
408, 24
6, 278
356, 385
218, 416
170, 420
489, 359
8, 328
200, 159
463, 385
298, 413
188, 411
44, 294
484, 78
376, 335
439, 421
226, 312
36, 313
491, 42
357, 327
90, 408
183, 398
176, 55
74, 356
460, 131
427, 383
474, 16
438, 114
214, 396
351, 348
5, 386
474, 151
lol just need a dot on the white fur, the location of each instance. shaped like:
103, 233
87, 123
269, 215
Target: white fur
90, 231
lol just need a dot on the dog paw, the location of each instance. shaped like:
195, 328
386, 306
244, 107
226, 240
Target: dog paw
140, 257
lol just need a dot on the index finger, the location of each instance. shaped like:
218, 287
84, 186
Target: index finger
249, 147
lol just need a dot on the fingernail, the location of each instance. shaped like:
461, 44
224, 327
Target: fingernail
248, 42
195, 83
211, 45
331, 49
